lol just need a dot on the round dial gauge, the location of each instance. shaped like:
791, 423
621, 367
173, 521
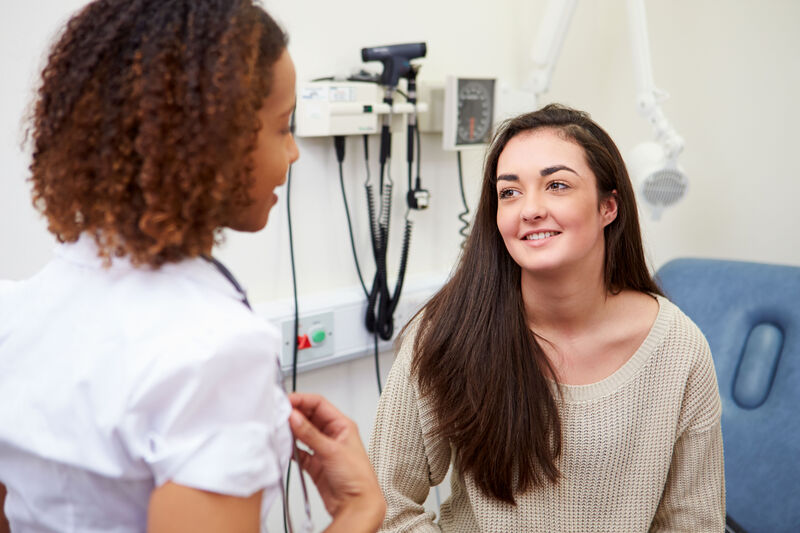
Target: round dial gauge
475, 110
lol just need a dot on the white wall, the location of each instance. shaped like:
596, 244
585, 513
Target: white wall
730, 68
732, 72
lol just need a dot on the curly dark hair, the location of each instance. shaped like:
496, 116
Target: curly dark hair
145, 123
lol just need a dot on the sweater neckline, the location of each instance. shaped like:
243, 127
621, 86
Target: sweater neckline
610, 384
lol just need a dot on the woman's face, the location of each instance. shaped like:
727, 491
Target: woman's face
275, 148
548, 211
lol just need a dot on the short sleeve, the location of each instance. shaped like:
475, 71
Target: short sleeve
210, 413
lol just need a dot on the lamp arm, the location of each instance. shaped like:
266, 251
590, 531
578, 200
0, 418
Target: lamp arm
544, 54
649, 98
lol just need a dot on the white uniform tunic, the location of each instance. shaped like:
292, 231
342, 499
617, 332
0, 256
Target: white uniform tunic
116, 380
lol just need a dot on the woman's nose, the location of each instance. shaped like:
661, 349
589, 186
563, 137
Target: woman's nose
533, 208
294, 152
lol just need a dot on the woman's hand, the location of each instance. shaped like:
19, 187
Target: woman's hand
339, 465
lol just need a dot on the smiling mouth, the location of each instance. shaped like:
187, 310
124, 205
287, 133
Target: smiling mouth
540, 235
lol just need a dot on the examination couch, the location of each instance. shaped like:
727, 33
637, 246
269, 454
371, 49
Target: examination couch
750, 314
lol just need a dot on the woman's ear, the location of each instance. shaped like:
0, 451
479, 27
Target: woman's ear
608, 208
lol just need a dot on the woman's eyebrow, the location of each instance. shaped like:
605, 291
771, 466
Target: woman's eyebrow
544, 172
552, 170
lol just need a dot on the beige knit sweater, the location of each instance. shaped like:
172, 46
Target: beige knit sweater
642, 449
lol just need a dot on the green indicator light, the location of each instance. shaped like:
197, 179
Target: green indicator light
318, 336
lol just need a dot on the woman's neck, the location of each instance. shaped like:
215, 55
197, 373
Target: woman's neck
565, 303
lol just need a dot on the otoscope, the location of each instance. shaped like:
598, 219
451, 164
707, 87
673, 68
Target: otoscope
396, 61
395, 58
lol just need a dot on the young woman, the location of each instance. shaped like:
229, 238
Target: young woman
566, 392
139, 391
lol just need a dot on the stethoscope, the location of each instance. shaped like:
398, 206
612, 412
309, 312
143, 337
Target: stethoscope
308, 526
227, 273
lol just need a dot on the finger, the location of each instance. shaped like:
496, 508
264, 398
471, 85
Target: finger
316, 408
305, 431
300, 400
308, 464
303, 459
322, 414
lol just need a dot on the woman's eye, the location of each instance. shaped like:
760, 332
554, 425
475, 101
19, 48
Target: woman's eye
288, 128
506, 193
557, 186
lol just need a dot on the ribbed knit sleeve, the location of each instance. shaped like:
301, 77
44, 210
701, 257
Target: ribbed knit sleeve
694, 495
406, 459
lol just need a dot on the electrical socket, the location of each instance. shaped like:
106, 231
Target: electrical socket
307, 325
343, 309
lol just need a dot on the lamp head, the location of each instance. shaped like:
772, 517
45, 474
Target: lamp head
657, 178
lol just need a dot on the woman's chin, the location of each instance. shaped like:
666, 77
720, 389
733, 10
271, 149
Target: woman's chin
250, 224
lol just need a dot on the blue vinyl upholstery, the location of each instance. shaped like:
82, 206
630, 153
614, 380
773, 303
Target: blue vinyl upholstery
750, 314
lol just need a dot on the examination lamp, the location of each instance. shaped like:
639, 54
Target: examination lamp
660, 182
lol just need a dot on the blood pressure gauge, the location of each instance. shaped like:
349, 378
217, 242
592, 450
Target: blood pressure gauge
469, 113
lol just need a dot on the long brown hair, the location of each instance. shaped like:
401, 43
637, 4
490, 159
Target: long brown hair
146, 120
475, 355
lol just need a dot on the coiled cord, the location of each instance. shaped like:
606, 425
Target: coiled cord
401, 273
464, 229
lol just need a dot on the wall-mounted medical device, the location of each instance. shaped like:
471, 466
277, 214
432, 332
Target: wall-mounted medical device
330, 108
469, 112
660, 182
365, 105
381, 300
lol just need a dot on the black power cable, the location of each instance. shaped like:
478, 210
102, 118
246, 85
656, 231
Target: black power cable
296, 311
339, 145
294, 273
294, 283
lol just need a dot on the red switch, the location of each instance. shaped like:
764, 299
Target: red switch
303, 342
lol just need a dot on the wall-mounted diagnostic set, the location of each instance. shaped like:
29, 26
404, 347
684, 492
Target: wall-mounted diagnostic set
386, 103
340, 108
